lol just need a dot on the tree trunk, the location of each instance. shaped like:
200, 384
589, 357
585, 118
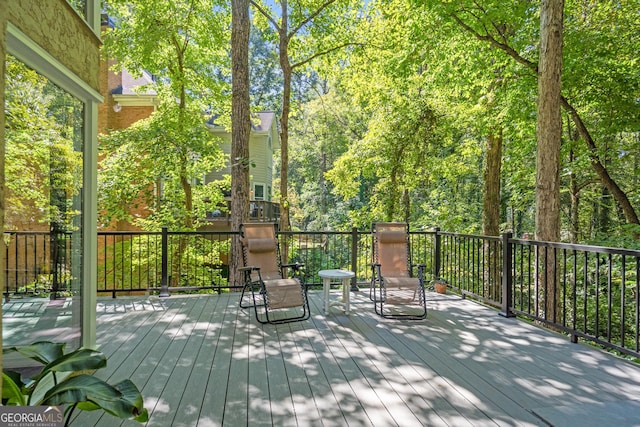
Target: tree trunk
491, 211
491, 198
285, 223
611, 185
549, 134
240, 128
406, 206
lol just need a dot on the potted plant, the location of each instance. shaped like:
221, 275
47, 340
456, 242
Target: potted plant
440, 286
63, 381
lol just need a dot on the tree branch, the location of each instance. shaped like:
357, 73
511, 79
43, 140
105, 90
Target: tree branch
324, 52
265, 14
323, 6
502, 46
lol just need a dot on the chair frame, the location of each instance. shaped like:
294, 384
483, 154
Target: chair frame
259, 296
378, 288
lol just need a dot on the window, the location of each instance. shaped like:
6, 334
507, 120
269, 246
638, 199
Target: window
80, 6
51, 152
258, 191
43, 199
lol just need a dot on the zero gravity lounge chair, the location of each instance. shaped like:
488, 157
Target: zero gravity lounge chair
396, 293
275, 298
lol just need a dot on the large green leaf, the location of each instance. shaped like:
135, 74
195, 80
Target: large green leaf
130, 405
80, 360
43, 352
11, 389
122, 400
80, 388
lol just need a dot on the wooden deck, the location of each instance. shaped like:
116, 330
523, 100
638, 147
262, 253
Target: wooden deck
202, 361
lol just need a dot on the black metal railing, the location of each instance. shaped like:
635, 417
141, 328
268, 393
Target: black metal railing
162, 261
37, 263
585, 291
588, 292
259, 210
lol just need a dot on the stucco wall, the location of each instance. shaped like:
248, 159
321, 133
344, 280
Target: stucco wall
57, 28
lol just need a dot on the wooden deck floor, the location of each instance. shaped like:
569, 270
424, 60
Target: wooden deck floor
202, 361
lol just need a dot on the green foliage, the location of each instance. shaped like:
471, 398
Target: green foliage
434, 79
322, 133
412, 91
182, 42
60, 382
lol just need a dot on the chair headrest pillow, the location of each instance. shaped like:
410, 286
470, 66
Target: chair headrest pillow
392, 237
261, 245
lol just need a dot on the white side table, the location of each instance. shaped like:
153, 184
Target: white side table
332, 275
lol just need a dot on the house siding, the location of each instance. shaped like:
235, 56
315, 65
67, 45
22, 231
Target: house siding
262, 144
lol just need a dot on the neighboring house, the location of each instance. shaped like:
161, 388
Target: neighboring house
127, 100
263, 143
125, 103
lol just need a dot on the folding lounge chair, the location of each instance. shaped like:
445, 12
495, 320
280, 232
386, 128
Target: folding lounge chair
394, 290
274, 297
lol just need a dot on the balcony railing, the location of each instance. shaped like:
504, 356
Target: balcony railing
259, 210
588, 292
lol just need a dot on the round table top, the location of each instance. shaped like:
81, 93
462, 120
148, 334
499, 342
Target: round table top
335, 274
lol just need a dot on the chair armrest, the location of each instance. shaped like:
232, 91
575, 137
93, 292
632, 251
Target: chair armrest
295, 266
249, 268
376, 271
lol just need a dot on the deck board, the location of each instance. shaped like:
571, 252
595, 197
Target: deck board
203, 361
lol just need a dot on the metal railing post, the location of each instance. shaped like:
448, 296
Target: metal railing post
354, 258
507, 275
164, 287
436, 256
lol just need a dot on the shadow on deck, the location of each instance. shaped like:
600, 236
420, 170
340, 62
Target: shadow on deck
202, 361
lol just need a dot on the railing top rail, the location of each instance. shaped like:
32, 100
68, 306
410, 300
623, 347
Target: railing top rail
423, 231
310, 233
576, 247
128, 233
203, 233
469, 236
35, 232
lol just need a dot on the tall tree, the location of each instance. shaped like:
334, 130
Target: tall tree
240, 124
549, 129
310, 30
549, 132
